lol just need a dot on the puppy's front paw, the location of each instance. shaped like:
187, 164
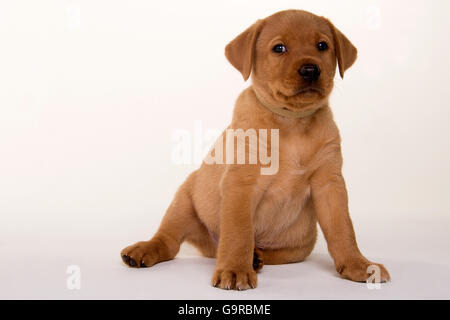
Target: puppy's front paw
361, 269
234, 279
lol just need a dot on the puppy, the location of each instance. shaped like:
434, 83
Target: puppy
245, 216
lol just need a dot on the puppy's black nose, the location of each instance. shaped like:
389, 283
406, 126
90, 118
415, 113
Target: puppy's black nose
309, 72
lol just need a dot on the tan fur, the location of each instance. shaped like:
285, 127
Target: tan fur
230, 210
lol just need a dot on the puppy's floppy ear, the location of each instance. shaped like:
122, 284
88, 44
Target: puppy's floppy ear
241, 51
346, 52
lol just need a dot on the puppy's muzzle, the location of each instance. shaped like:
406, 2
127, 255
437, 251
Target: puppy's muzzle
309, 72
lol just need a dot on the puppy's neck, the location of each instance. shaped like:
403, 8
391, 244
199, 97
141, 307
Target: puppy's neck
286, 113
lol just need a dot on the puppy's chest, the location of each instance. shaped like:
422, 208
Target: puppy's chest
285, 193
292, 179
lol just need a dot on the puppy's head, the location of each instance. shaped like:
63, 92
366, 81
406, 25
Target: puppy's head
292, 56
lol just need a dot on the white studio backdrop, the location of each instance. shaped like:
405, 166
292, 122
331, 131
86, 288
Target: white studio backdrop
93, 92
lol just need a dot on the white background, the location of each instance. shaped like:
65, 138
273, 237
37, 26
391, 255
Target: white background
92, 93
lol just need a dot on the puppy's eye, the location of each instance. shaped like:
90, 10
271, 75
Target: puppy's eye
279, 48
322, 46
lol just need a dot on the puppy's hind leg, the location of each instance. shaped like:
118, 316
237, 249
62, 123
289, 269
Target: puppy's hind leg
203, 241
179, 222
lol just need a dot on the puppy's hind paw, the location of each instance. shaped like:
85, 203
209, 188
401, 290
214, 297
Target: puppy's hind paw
140, 255
258, 262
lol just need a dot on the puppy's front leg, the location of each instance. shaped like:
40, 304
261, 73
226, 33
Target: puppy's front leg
330, 201
234, 268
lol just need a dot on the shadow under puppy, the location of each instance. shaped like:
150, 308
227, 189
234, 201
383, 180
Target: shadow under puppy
244, 218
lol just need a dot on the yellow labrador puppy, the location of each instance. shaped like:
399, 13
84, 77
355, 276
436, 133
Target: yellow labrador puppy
259, 201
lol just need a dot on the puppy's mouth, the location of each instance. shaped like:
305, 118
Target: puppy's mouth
304, 91
302, 98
